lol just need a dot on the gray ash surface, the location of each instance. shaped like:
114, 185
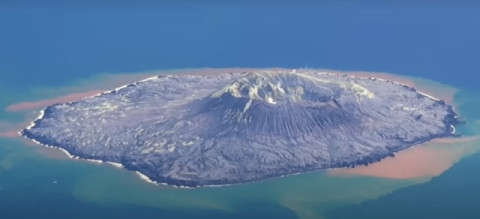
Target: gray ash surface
197, 130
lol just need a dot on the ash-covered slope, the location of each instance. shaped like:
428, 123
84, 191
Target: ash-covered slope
195, 130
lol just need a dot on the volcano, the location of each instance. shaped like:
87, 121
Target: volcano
198, 130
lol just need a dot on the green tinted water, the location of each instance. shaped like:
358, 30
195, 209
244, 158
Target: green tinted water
37, 181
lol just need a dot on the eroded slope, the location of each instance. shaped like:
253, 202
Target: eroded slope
198, 130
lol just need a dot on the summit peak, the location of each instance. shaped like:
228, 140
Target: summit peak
279, 87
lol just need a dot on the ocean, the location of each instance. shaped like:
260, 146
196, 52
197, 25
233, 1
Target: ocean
58, 48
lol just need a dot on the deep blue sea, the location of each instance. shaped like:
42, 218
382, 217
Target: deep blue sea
53, 44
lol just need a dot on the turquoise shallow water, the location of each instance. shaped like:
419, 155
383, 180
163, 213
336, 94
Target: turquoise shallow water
49, 184
454, 194
51, 50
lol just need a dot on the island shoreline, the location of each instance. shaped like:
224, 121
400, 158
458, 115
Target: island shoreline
148, 179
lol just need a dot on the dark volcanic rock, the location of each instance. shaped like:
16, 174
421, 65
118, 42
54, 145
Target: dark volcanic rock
195, 130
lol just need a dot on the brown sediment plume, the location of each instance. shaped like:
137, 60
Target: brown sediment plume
7, 130
9, 134
43, 103
415, 162
442, 94
427, 160
111, 81
10, 130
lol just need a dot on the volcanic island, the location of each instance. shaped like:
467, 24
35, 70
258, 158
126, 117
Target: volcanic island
238, 127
